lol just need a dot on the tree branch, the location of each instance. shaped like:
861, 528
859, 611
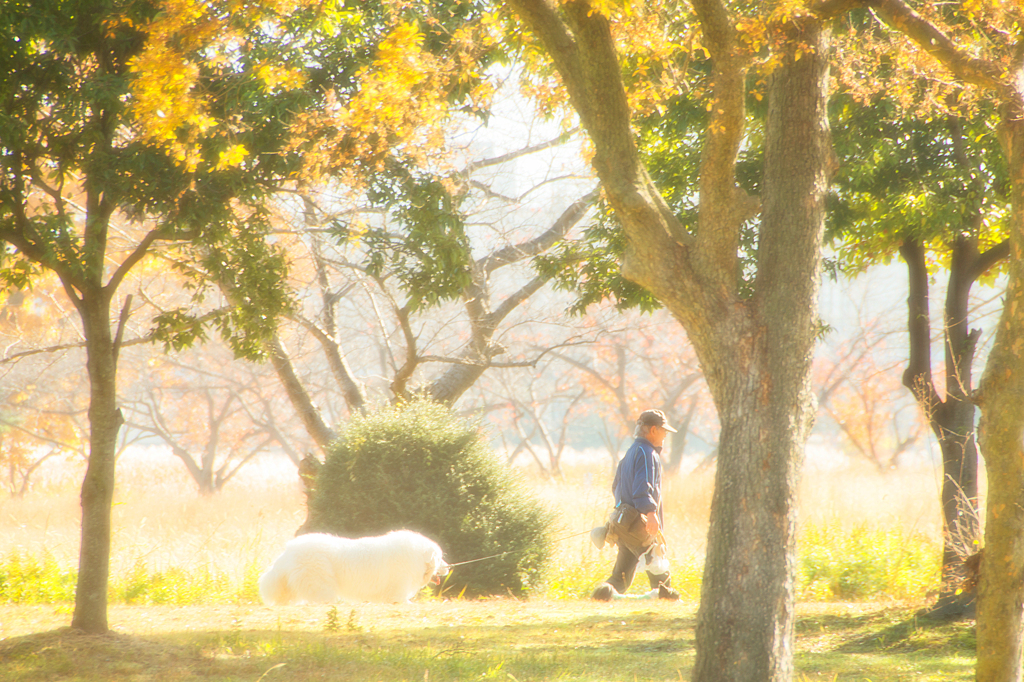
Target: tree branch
723, 206
137, 254
989, 259
351, 388
517, 252
122, 320
511, 302
525, 151
918, 375
544, 21
969, 69
322, 434
830, 9
81, 344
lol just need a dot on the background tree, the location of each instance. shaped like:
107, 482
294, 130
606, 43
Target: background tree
873, 426
213, 414
42, 415
931, 189
753, 330
82, 194
993, 67
643, 361
543, 408
860, 395
378, 80
424, 280
35, 427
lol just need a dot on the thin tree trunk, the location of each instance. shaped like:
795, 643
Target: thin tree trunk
954, 420
951, 420
98, 485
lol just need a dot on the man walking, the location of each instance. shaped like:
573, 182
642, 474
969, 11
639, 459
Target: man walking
638, 515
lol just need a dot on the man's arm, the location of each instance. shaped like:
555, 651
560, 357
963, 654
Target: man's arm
643, 482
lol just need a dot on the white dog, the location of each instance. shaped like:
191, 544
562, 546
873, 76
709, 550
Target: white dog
321, 568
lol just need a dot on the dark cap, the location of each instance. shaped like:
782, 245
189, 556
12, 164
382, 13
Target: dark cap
654, 418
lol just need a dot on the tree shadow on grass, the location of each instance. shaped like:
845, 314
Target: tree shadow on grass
609, 646
916, 633
879, 644
605, 644
888, 629
67, 653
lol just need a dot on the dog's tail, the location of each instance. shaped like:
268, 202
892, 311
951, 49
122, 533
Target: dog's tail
274, 588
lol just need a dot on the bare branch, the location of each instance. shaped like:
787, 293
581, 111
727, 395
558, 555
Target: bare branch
525, 151
516, 252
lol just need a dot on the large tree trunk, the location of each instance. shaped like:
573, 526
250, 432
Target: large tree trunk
98, 486
1001, 437
765, 403
756, 352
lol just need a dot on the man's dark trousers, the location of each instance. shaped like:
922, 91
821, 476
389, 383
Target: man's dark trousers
625, 569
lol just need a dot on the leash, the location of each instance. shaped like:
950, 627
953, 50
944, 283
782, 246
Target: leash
513, 551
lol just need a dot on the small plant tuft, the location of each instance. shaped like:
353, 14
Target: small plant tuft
332, 620
28, 580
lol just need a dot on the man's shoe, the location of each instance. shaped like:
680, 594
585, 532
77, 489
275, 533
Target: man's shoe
604, 592
667, 593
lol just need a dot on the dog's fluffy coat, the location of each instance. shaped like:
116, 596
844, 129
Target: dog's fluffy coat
321, 568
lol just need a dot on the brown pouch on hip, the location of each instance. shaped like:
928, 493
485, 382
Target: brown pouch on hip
630, 528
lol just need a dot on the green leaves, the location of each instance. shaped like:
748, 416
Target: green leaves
900, 177
237, 259
431, 254
590, 268
253, 271
15, 272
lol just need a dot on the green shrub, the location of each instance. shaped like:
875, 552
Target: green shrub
418, 466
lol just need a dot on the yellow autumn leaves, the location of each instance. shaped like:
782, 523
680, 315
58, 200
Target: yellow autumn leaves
168, 102
398, 95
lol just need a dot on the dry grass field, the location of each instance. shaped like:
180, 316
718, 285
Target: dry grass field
161, 524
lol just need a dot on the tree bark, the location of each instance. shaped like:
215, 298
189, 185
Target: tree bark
1001, 391
756, 352
745, 621
952, 419
1001, 435
300, 399
105, 420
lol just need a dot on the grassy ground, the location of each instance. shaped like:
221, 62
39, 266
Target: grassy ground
453, 640
184, 607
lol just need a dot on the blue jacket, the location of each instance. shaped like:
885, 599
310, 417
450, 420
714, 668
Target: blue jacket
638, 478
